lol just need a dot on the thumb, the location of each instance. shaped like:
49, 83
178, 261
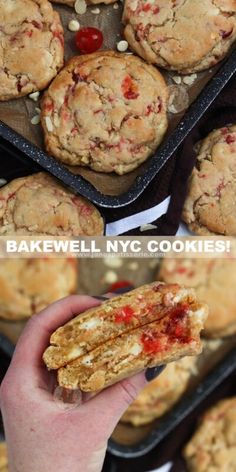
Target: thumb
113, 401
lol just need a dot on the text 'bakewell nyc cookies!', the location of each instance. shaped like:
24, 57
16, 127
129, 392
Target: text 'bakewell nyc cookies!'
148, 326
106, 111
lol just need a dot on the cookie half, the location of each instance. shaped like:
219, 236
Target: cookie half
31, 46
40, 205
151, 325
106, 111
214, 281
29, 285
213, 446
182, 35
210, 204
161, 394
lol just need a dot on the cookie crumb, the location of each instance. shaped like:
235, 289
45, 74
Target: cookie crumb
35, 120
178, 99
95, 11
73, 25
122, 46
80, 7
115, 6
34, 96
177, 79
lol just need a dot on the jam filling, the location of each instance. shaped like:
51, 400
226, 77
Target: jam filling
124, 314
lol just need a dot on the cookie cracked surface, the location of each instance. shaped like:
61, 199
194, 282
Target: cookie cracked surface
213, 446
29, 285
31, 46
211, 200
40, 205
214, 282
106, 111
182, 35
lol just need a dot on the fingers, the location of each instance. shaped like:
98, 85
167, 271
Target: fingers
35, 337
108, 406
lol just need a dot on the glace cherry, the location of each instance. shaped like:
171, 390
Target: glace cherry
88, 39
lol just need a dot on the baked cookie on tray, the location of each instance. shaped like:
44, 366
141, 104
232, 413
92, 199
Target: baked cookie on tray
106, 111
213, 446
29, 285
214, 281
31, 46
161, 394
210, 206
145, 327
182, 35
39, 205
3, 457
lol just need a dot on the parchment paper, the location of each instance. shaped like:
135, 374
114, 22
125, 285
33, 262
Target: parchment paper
18, 113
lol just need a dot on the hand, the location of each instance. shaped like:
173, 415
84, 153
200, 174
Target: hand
40, 435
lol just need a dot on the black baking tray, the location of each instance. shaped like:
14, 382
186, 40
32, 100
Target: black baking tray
178, 414
164, 152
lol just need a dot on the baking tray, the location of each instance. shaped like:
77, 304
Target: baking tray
117, 191
179, 413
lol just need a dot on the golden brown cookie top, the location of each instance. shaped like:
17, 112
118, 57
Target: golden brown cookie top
29, 285
106, 111
40, 205
214, 281
31, 46
211, 199
213, 446
182, 35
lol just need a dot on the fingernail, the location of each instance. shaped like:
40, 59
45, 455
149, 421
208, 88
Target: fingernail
153, 372
100, 297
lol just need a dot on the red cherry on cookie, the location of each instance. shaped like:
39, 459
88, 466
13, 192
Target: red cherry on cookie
88, 39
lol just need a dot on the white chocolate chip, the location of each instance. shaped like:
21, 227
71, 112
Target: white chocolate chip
135, 349
34, 96
37, 110
189, 79
89, 324
110, 277
80, 7
115, 6
56, 121
49, 124
147, 227
122, 46
35, 120
73, 25
76, 352
95, 11
113, 262
87, 360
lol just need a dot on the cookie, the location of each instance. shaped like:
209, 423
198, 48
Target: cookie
181, 35
148, 326
161, 394
106, 111
209, 208
31, 46
3, 457
213, 446
29, 285
40, 205
214, 281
